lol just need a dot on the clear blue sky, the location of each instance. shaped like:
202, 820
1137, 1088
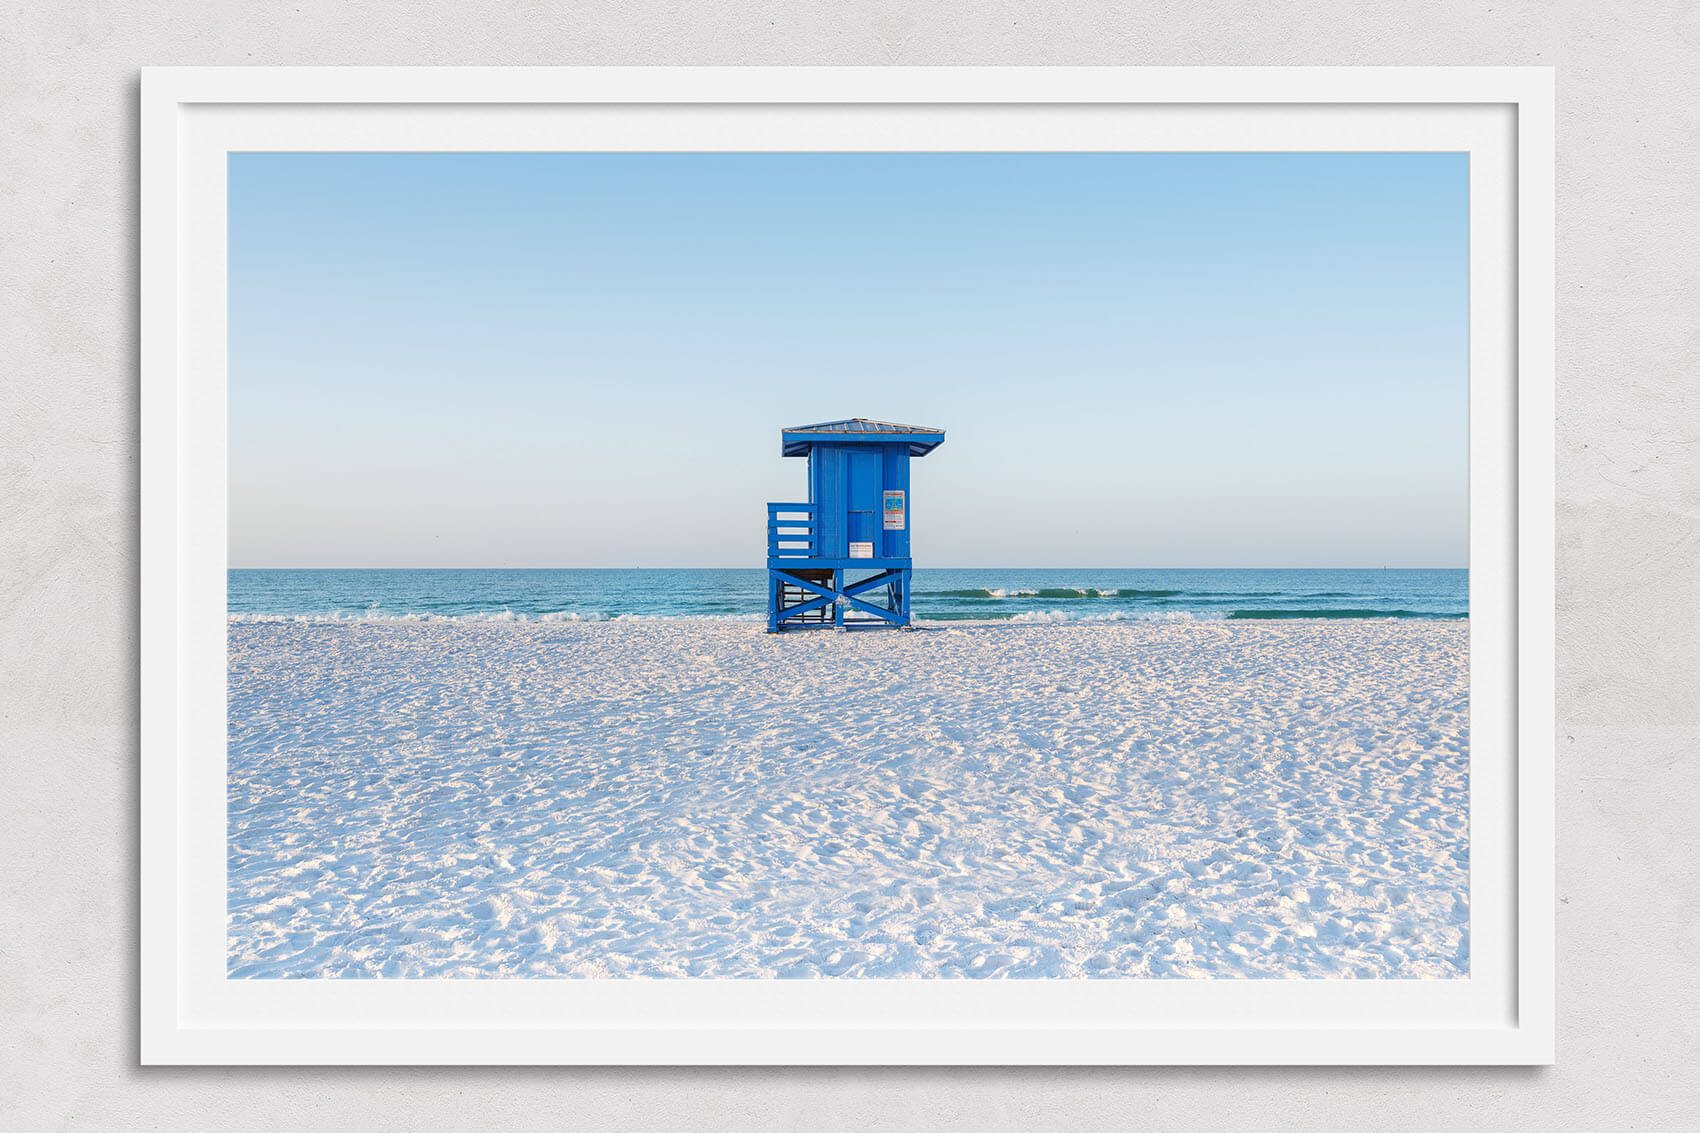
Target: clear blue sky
586, 359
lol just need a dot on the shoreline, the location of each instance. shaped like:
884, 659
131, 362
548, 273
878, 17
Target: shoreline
1019, 619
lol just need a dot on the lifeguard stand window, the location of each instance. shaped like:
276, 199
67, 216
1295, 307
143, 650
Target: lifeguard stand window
856, 520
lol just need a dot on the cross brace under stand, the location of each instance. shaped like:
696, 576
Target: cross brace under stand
801, 598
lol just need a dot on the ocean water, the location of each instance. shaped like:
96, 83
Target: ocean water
939, 595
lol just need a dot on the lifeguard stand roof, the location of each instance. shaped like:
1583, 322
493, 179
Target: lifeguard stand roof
796, 440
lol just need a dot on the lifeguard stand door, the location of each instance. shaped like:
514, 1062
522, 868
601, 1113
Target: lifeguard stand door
864, 503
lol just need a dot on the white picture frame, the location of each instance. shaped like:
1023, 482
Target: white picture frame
1504, 1013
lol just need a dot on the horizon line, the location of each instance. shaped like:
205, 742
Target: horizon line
763, 567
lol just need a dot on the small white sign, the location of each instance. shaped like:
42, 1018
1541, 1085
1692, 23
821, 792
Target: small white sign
893, 510
861, 550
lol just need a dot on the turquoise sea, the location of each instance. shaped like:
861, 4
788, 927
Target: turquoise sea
939, 594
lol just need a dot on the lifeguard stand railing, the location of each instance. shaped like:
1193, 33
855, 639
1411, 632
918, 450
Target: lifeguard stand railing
790, 531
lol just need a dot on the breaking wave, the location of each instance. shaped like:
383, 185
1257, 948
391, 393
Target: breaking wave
1033, 616
1055, 615
1062, 593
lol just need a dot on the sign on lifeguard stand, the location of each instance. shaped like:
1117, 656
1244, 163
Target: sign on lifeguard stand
842, 559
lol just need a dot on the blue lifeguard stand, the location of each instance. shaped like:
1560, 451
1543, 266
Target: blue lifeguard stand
842, 559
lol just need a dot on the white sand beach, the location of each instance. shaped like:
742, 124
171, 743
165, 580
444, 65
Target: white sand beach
696, 798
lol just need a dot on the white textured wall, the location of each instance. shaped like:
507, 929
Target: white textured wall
1629, 529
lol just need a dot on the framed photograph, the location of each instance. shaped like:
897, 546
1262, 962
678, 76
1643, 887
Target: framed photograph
1136, 648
